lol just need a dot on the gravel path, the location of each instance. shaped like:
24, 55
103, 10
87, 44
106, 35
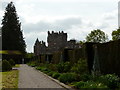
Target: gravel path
31, 78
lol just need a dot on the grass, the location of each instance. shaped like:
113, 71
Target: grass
10, 79
17, 66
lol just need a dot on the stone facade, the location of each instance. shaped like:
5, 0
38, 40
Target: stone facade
56, 42
39, 47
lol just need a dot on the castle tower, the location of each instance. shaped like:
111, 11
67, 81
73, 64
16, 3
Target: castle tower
36, 47
56, 41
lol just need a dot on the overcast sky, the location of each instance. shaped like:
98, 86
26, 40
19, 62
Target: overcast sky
75, 17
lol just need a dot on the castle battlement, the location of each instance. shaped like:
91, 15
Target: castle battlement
56, 41
56, 33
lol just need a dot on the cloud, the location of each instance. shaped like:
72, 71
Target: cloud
69, 22
110, 15
57, 25
76, 17
31, 38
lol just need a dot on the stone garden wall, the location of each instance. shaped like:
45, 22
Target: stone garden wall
100, 57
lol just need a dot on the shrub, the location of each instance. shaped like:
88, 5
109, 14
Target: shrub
44, 69
12, 62
89, 84
46, 72
111, 80
50, 73
67, 77
67, 66
79, 84
86, 77
6, 66
64, 67
38, 68
80, 67
32, 63
52, 67
56, 75
60, 67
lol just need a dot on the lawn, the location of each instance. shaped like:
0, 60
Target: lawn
10, 79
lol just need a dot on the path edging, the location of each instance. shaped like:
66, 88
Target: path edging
55, 80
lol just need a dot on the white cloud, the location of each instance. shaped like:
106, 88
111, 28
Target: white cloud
76, 17
32, 36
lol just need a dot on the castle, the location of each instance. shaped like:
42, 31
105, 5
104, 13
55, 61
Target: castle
56, 42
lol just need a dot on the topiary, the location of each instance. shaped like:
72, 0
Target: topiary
6, 66
12, 62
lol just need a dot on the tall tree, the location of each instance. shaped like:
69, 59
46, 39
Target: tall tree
97, 36
12, 36
116, 34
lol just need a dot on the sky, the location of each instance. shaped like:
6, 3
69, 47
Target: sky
75, 17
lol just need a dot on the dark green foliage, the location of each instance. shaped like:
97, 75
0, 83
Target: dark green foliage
51, 73
79, 84
80, 67
67, 77
44, 69
12, 37
12, 62
39, 68
60, 67
64, 67
52, 67
67, 66
97, 36
111, 80
56, 75
33, 63
29, 55
6, 66
86, 77
89, 84
116, 34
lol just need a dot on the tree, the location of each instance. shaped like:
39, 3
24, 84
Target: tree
12, 37
97, 36
116, 34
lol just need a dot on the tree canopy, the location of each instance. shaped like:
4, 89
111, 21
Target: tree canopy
116, 34
97, 36
12, 36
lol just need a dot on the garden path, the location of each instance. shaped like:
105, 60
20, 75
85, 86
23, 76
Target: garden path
31, 78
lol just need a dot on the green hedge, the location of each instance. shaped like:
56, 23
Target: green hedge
6, 66
67, 77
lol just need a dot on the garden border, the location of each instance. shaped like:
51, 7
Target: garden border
55, 80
